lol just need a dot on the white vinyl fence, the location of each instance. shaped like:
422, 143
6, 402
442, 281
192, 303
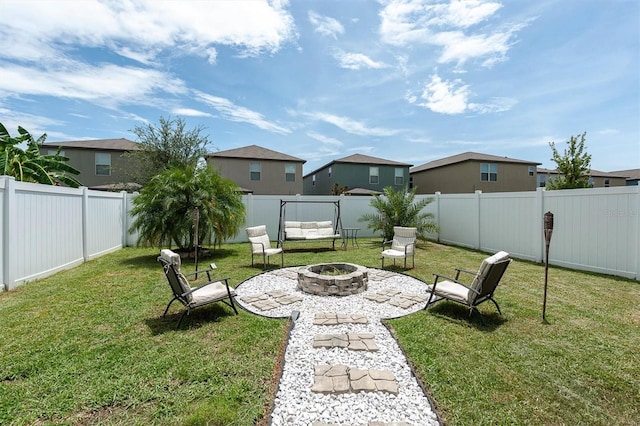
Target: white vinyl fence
45, 229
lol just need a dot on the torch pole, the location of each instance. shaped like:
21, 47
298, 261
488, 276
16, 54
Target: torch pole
196, 219
548, 232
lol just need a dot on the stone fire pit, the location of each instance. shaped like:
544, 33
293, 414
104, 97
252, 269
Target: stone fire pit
333, 279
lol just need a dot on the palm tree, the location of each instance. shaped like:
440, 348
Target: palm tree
28, 165
397, 208
164, 209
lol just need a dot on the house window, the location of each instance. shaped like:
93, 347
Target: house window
410, 182
330, 172
532, 170
607, 183
313, 180
290, 172
254, 169
373, 175
488, 172
103, 164
399, 176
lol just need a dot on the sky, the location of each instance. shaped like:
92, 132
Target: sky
408, 81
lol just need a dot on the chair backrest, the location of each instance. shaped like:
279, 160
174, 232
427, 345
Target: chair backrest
403, 237
489, 275
257, 237
179, 284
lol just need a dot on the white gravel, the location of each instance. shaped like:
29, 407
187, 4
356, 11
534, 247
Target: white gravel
295, 404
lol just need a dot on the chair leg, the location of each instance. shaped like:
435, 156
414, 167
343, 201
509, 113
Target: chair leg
186, 312
382, 262
282, 258
167, 310
497, 307
264, 261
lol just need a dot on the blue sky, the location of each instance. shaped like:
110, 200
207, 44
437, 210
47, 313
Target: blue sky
410, 81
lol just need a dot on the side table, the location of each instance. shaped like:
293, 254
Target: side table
350, 234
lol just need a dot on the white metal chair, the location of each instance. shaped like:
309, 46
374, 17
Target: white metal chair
402, 246
261, 244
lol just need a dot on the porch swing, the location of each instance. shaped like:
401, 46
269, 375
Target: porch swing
289, 230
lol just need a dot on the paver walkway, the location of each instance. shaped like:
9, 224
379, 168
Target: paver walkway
339, 347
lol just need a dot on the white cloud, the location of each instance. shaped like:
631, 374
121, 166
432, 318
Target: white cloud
351, 126
405, 22
325, 25
445, 97
190, 112
146, 27
496, 104
324, 139
107, 85
229, 111
355, 61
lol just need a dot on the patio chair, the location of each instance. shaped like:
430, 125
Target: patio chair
217, 290
402, 246
261, 245
484, 284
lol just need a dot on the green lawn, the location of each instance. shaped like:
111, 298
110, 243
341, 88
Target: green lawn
89, 346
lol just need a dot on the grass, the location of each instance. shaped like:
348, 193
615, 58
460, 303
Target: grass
89, 345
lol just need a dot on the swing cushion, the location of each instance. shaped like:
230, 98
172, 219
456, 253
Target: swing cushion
295, 230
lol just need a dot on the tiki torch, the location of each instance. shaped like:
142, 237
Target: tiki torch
548, 231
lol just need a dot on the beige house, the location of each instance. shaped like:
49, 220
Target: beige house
100, 162
471, 171
259, 170
597, 179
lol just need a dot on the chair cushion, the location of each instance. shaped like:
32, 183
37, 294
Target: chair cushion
394, 253
256, 231
403, 237
211, 293
485, 267
184, 284
171, 258
271, 251
260, 243
451, 290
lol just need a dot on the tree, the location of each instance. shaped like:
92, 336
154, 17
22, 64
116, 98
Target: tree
397, 208
165, 146
164, 209
574, 167
338, 190
28, 165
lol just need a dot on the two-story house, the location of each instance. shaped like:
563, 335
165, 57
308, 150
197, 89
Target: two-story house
597, 179
360, 174
471, 171
259, 170
101, 162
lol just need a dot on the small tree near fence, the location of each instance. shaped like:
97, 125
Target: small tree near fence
397, 208
574, 167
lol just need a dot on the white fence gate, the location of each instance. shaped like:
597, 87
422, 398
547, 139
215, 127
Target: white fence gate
44, 229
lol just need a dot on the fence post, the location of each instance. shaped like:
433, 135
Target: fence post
124, 215
9, 232
637, 244
438, 193
85, 223
539, 219
478, 221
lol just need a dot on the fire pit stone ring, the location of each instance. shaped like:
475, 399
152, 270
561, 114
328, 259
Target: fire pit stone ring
333, 279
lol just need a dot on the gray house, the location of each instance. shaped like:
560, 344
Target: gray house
259, 170
101, 162
360, 174
471, 171
597, 179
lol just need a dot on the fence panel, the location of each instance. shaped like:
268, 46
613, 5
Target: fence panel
105, 225
507, 222
47, 229
458, 219
595, 229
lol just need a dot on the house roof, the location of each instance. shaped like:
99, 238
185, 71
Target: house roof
362, 159
468, 156
255, 152
121, 144
594, 173
631, 174
363, 191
